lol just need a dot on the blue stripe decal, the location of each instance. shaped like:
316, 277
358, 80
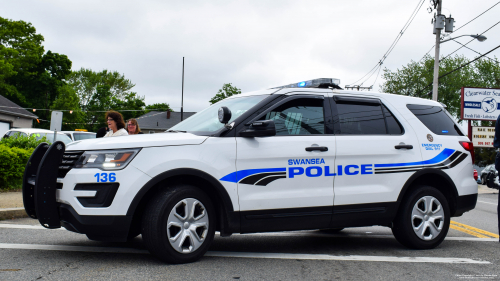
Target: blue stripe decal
439, 158
239, 175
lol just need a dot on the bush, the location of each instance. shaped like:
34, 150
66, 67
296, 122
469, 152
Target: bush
23, 142
12, 163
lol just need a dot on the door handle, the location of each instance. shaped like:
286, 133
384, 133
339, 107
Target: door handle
320, 148
407, 146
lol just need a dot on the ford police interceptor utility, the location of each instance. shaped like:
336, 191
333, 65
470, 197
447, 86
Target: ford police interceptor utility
301, 156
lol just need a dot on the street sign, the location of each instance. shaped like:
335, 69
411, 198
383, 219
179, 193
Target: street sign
483, 136
56, 121
480, 104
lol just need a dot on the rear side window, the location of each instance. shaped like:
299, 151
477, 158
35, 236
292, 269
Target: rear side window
435, 119
393, 126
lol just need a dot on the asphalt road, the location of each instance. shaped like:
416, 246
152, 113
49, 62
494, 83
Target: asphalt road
29, 252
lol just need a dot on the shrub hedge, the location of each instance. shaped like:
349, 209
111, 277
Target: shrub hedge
23, 142
14, 154
12, 163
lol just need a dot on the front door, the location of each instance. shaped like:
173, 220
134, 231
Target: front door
285, 181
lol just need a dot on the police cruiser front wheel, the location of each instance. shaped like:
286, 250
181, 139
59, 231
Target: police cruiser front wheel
423, 219
179, 224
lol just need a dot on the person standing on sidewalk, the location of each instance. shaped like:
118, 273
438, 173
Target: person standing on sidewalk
496, 144
116, 124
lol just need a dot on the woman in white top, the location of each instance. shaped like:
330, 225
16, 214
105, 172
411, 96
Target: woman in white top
116, 124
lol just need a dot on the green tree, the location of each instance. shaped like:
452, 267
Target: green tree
158, 107
226, 91
43, 89
414, 78
99, 92
130, 101
21, 52
28, 76
68, 100
85, 82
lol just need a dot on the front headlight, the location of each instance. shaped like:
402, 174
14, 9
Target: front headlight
107, 159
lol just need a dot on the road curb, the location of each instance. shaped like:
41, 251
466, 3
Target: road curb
12, 213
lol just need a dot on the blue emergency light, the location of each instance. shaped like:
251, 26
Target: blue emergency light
315, 83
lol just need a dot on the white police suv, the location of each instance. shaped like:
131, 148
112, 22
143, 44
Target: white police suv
302, 156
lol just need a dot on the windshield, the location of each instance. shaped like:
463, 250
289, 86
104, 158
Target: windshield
50, 137
207, 120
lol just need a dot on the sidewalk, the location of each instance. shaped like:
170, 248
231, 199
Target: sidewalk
11, 203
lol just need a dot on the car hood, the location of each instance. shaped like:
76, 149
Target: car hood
143, 140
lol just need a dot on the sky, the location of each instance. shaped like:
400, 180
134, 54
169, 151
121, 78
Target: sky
252, 44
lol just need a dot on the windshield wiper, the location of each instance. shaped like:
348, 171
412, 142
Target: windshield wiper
176, 131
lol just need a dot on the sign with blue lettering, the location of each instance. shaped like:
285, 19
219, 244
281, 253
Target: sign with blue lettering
480, 104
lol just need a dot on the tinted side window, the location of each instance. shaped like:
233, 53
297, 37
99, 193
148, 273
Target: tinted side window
435, 119
361, 118
393, 125
298, 117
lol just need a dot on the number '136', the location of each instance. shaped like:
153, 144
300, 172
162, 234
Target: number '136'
105, 177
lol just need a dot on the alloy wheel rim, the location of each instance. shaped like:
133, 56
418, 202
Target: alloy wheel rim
187, 225
427, 218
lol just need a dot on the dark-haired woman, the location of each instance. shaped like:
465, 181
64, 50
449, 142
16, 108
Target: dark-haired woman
116, 124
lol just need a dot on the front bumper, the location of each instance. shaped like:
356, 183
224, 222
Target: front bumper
75, 200
102, 228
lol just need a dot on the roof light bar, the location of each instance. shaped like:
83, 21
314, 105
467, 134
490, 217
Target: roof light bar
315, 83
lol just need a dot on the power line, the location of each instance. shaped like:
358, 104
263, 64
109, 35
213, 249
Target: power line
427, 53
476, 17
458, 68
471, 40
475, 51
461, 27
400, 34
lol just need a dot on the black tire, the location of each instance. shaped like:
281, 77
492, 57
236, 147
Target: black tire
483, 180
490, 180
332, 230
169, 204
430, 237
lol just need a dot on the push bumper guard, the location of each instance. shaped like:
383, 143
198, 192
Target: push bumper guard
40, 184
39, 197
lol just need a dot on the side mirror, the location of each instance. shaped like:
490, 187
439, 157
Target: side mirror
265, 128
224, 115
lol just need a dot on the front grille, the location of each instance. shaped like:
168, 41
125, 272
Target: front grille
68, 161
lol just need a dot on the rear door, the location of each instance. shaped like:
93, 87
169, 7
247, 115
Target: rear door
376, 149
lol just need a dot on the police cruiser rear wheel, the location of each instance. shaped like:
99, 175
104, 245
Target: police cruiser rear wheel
179, 224
423, 219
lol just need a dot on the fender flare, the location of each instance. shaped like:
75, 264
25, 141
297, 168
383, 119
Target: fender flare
422, 172
226, 200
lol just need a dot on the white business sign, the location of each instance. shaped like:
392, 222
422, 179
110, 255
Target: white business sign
483, 136
480, 104
56, 121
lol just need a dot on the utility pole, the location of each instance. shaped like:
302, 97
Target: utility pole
182, 97
438, 26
